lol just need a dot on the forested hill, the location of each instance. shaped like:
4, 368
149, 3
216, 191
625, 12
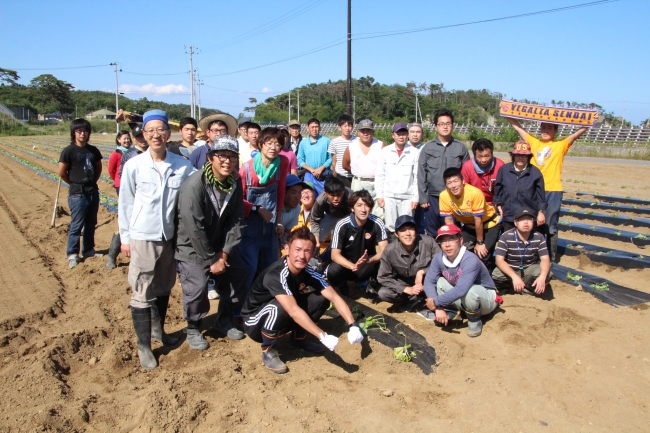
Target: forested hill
386, 103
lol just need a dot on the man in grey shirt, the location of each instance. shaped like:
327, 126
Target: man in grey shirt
435, 157
404, 264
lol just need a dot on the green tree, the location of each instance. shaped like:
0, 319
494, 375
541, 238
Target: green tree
8, 76
50, 88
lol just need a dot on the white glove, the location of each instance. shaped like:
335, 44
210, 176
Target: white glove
329, 341
354, 335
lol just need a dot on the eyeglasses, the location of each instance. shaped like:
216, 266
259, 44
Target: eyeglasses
81, 131
218, 131
224, 158
444, 125
273, 145
160, 131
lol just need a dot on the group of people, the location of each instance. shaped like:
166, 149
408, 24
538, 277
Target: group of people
276, 225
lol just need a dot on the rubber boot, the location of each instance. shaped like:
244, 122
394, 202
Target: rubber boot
158, 314
113, 251
474, 324
195, 339
270, 356
553, 247
142, 324
224, 324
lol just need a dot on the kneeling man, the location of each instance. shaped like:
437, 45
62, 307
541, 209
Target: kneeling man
458, 280
404, 264
290, 296
523, 262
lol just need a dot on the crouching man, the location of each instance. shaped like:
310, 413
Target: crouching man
150, 184
458, 281
210, 215
404, 264
290, 296
523, 262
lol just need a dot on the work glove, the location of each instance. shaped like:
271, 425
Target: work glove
354, 335
329, 341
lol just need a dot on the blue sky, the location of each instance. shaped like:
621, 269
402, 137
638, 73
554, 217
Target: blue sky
593, 54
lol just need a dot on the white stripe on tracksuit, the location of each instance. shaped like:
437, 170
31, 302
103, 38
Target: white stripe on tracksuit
271, 310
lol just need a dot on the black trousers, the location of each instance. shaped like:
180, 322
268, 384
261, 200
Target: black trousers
337, 275
490, 237
347, 181
274, 321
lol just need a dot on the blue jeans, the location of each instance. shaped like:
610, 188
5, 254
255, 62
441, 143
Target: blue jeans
258, 248
83, 209
553, 205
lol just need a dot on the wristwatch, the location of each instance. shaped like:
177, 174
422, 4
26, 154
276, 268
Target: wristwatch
254, 208
480, 242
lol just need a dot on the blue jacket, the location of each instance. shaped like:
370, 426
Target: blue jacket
513, 191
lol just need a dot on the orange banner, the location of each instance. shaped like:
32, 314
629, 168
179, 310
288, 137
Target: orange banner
557, 115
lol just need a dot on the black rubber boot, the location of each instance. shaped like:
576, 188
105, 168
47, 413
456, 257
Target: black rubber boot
142, 324
113, 251
224, 324
474, 324
195, 339
553, 247
158, 314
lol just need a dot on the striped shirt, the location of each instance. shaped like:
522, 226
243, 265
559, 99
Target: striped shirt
337, 147
521, 253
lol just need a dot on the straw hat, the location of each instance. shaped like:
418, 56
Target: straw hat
230, 122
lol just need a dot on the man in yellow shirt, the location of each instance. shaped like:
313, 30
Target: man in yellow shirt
548, 156
466, 203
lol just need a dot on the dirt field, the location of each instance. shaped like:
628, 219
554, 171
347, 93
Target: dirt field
68, 360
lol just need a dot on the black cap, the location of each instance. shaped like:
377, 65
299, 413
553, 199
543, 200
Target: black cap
522, 211
404, 219
136, 130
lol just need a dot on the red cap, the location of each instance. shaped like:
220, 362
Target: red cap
448, 230
522, 148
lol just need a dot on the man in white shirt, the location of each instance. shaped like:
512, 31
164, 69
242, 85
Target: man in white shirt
361, 158
149, 189
338, 147
396, 179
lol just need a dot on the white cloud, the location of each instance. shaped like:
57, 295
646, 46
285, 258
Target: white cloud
266, 90
152, 89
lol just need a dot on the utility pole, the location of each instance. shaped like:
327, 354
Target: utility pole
349, 91
200, 83
354, 109
298, 105
289, 107
117, 107
416, 107
192, 100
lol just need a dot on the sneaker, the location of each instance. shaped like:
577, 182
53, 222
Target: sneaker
371, 293
213, 294
272, 361
73, 262
306, 345
427, 314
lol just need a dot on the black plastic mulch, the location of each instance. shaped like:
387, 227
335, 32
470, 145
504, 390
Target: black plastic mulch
606, 218
425, 354
638, 239
602, 289
618, 258
595, 204
615, 198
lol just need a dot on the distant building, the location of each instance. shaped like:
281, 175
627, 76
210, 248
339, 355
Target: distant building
21, 113
101, 114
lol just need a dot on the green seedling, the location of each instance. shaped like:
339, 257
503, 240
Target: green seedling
573, 277
623, 186
618, 232
573, 210
575, 246
404, 353
641, 236
601, 287
615, 214
589, 212
374, 322
600, 253
592, 227
356, 313
594, 203
627, 196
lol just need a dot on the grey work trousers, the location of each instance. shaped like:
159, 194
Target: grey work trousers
152, 271
478, 298
194, 283
531, 273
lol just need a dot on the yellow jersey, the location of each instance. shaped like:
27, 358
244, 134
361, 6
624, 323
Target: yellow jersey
471, 204
549, 157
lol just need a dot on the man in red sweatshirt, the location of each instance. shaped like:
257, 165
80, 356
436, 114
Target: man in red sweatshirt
482, 170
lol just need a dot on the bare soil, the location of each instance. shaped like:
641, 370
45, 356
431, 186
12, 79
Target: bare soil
68, 358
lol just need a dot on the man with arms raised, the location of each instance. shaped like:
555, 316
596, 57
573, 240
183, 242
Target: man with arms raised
404, 264
290, 296
210, 215
149, 189
435, 157
523, 263
457, 280
357, 244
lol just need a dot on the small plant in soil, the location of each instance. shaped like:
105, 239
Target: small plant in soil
404, 353
573, 277
641, 236
617, 232
374, 322
601, 287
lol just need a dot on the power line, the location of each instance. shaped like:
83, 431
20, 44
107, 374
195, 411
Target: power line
147, 74
241, 91
56, 69
282, 19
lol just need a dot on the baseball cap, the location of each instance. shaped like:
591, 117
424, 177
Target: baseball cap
155, 115
403, 220
522, 148
366, 124
282, 126
412, 124
448, 230
225, 142
137, 130
294, 122
293, 180
522, 211
244, 120
398, 126
310, 185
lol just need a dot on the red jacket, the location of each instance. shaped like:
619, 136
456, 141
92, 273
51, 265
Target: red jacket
255, 181
486, 181
114, 167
